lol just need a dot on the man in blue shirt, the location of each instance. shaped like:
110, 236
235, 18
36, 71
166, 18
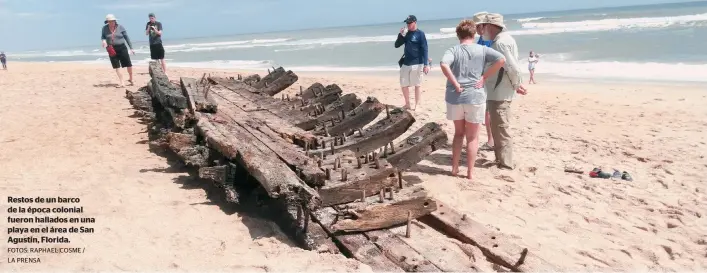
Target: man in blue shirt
415, 60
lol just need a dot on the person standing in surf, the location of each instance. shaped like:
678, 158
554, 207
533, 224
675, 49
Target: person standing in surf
532, 60
3, 60
153, 30
415, 60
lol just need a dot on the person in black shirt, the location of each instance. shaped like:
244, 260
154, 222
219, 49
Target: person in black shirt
154, 31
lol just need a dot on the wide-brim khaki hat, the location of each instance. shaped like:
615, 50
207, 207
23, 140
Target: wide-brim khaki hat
478, 16
493, 19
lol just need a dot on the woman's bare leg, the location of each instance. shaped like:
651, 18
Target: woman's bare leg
457, 142
130, 73
472, 146
532, 76
120, 77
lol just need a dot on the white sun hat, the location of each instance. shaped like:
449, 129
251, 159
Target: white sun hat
111, 17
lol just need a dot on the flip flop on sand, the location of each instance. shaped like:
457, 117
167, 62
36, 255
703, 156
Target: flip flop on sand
617, 174
594, 173
626, 176
131, 83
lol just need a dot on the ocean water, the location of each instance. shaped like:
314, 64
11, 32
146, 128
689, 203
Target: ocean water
664, 42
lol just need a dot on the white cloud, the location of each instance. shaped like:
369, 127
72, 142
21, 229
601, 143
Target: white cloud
139, 5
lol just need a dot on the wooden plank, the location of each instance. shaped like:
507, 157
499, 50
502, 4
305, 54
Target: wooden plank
359, 117
174, 117
236, 143
495, 246
437, 248
399, 252
319, 240
332, 111
417, 146
286, 130
367, 178
189, 91
272, 105
281, 83
269, 78
377, 135
299, 161
252, 79
374, 214
356, 245
165, 92
206, 102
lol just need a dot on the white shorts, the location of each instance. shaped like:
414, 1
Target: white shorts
411, 75
472, 113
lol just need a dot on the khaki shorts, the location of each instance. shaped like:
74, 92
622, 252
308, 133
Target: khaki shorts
411, 75
472, 113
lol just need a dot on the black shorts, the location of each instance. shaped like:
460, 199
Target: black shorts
121, 58
156, 52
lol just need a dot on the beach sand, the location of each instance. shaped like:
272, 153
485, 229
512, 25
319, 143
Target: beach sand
65, 131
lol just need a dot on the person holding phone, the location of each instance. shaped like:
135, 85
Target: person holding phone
415, 60
153, 29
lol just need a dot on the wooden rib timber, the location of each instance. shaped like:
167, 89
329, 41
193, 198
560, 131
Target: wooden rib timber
330, 184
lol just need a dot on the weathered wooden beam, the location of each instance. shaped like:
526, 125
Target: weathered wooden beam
298, 161
436, 247
272, 105
268, 79
368, 179
207, 104
237, 144
495, 246
281, 83
359, 117
373, 214
399, 252
377, 135
284, 128
417, 146
252, 79
346, 103
216, 173
196, 97
356, 245
164, 91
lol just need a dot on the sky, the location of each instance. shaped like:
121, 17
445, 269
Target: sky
54, 24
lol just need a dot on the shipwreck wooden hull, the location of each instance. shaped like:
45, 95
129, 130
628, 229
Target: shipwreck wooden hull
320, 167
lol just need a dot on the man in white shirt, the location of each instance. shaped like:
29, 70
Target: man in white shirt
502, 87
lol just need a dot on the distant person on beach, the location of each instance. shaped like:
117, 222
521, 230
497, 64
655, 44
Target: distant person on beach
488, 146
3, 60
464, 65
532, 60
502, 87
415, 59
114, 38
153, 30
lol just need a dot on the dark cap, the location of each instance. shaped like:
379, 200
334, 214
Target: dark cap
151, 15
410, 19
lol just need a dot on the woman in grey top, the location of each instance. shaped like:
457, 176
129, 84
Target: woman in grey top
464, 66
115, 40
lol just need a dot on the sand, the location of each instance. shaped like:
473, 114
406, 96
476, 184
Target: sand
66, 131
